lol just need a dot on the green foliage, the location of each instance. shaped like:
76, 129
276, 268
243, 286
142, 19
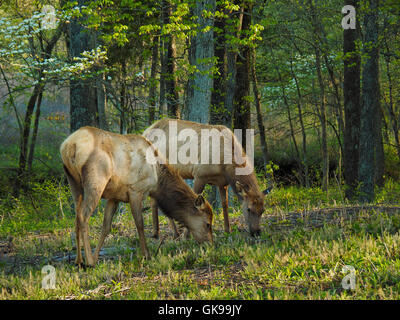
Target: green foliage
44, 207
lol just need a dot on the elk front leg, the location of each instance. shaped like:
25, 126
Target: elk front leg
154, 215
111, 208
172, 224
223, 193
135, 200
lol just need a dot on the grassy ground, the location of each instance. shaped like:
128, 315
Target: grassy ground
299, 255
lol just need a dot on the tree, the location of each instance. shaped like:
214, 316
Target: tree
201, 53
352, 106
370, 105
241, 101
83, 92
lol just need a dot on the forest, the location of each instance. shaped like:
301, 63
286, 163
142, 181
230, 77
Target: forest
318, 82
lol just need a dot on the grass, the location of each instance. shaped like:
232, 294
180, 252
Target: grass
292, 259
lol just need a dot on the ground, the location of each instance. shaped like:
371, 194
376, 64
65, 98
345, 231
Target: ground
299, 255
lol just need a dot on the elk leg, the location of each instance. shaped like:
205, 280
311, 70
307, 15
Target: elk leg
90, 200
78, 259
174, 228
223, 193
135, 201
111, 208
77, 193
154, 215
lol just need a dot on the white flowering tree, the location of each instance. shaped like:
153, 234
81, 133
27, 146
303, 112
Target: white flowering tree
29, 61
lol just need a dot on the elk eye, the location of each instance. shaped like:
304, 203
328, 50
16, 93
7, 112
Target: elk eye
248, 210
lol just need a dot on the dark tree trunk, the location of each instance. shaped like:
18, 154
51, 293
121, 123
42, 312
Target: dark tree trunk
171, 85
352, 106
379, 152
35, 131
257, 100
232, 29
83, 96
23, 155
153, 82
241, 103
370, 94
218, 112
304, 160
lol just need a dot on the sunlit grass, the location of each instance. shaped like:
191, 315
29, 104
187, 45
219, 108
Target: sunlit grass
286, 262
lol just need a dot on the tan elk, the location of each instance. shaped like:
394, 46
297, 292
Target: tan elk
101, 164
220, 173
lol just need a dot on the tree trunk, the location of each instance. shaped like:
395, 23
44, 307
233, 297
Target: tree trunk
379, 152
233, 30
304, 160
171, 85
352, 106
241, 103
370, 94
83, 96
35, 131
218, 112
322, 110
257, 98
153, 82
322, 116
201, 56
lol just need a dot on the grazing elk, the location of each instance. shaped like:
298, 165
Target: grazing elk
222, 174
101, 164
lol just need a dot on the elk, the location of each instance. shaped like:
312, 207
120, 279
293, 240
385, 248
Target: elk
222, 174
100, 164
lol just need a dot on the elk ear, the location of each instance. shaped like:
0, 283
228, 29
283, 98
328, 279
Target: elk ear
200, 201
266, 191
240, 189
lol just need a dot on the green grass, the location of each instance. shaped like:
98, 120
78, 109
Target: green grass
288, 261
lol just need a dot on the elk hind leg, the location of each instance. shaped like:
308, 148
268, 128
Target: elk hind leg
111, 208
77, 195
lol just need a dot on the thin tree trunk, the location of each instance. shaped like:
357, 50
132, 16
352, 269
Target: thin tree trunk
23, 156
303, 131
242, 88
257, 98
171, 85
379, 152
35, 131
231, 71
390, 105
153, 82
218, 112
322, 116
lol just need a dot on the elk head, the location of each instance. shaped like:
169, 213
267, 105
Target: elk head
252, 206
201, 221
